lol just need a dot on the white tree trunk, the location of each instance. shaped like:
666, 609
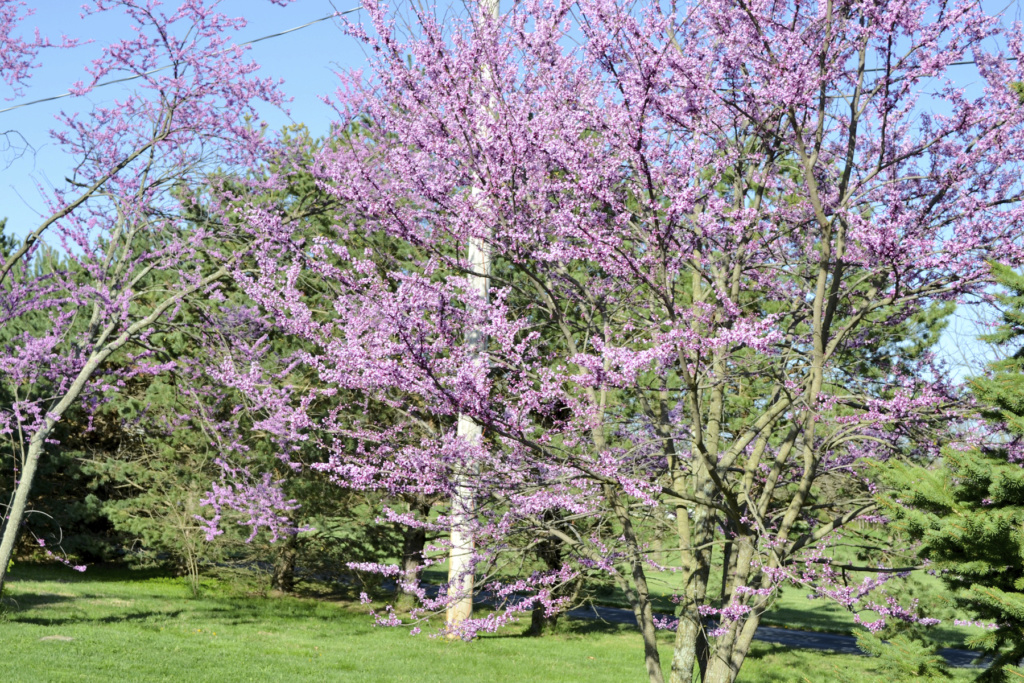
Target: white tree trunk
463, 544
460, 566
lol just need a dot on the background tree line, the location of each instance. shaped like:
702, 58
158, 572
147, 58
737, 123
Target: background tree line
720, 246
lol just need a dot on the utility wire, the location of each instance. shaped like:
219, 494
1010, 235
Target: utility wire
286, 32
161, 68
1007, 59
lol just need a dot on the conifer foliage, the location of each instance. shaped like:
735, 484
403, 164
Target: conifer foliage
700, 220
968, 512
118, 217
697, 216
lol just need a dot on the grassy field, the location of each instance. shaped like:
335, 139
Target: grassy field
792, 608
119, 625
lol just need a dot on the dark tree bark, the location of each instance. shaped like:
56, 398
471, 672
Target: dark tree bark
550, 552
414, 540
283, 578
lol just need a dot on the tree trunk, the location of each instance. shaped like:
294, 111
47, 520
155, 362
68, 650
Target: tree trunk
731, 648
414, 540
690, 648
16, 513
728, 656
550, 552
639, 599
725, 589
192, 571
283, 578
460, 557
644, 613
691, 645
658, 549
540, 623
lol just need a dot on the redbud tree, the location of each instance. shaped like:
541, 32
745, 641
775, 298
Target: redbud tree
127, 256
701, 221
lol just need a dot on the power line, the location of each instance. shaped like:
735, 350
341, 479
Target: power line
286, 32
1006, 59
153, 71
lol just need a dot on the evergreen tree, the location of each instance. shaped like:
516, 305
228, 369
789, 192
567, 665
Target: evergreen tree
968, 510
165, 457
64, 510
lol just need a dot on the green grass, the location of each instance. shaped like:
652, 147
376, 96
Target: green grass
792, 609
121, 625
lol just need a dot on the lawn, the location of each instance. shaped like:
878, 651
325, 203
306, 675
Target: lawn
122, 625
792, 608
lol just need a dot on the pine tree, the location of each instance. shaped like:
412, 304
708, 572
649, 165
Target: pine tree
64, 511
968, 511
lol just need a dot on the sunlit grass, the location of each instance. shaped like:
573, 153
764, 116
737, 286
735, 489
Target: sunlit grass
792, 608
120, 625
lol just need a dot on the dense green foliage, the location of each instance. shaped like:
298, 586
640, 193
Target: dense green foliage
967, 511
125, 477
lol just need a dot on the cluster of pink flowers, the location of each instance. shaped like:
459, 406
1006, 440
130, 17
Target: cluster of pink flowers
990, 626
63, 560
677, 210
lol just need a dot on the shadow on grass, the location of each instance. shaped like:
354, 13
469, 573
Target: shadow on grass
774, 663
610, 596
762, 650
583, 627
822, 620
27, 572
831, 619
569, 628
133, 606
232, 612
83, 620
25, 601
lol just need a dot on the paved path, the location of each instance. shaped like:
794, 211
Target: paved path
810, 640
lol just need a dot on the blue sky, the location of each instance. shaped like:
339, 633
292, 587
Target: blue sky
305, 59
